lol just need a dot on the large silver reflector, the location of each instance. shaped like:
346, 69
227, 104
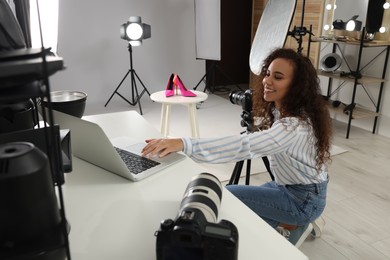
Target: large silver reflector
271, 32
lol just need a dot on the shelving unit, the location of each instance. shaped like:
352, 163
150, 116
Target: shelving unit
356, 78
24, 74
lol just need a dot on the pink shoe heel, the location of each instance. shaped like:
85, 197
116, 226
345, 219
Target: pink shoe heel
170, 90
184, 92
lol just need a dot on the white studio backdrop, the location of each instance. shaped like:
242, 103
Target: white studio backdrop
208, 29
96, 58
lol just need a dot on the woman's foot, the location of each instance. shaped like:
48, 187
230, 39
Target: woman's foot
299, 235
318, 226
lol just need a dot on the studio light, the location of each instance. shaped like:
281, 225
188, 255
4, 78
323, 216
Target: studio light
383, 29
353, 24
135, 31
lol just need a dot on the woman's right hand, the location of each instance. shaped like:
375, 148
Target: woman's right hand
162, 147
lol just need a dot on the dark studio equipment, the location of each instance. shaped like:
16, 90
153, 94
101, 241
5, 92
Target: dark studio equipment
133, 31
244, 99
11, 36
375, 12
37, 138
70, 102
33, 225
17, 115
195, 234
330, 62
31, 222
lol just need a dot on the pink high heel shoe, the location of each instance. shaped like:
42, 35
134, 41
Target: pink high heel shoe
170, 90
179, 84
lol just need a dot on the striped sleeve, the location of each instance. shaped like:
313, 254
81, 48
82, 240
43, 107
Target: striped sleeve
235, 148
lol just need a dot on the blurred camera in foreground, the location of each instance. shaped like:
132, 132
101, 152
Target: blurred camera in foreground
194, 234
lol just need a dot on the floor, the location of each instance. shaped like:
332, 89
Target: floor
358, 210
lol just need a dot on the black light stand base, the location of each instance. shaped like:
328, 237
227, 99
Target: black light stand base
211, 73
136, 97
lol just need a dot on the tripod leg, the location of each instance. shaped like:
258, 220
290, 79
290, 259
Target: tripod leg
248, 171
267, 166
115, 91
200, 81
134, 88
236, 173
145, 89
212, 67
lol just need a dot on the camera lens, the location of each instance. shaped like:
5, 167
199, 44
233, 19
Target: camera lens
204, 192
236, 97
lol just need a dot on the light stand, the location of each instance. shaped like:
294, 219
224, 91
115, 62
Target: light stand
134, 91
133, 31
298, 32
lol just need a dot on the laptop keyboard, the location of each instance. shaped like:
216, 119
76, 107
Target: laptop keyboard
135, 162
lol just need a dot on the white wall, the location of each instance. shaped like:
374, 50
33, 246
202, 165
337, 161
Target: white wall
97, 58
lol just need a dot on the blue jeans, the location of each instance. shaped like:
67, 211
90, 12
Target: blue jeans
291, 204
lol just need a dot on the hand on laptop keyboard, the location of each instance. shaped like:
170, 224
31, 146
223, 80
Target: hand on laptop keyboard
162, 147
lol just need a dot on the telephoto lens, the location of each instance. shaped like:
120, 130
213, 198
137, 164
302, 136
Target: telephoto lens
195, 234
204, 192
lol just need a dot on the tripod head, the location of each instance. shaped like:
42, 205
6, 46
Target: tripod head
244, 99
247, 121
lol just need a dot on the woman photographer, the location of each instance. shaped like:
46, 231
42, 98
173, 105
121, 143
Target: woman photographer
294, 133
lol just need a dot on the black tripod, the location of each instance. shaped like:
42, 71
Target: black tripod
210, 73
134, 91
234, 179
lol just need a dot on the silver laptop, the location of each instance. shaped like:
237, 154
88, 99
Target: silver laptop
90, 143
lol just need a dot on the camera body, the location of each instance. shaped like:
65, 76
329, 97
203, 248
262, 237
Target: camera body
195, 234
191, 237
244, 99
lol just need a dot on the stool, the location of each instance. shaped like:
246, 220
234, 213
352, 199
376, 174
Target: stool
190, 102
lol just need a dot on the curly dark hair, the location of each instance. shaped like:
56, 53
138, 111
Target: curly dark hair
303, 100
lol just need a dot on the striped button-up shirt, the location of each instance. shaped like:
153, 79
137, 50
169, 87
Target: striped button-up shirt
289, 145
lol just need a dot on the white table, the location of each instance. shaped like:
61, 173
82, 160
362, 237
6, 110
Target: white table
113, 218
190, 102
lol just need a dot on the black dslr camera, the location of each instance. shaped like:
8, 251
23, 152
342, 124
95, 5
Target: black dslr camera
243, 99
194, 234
